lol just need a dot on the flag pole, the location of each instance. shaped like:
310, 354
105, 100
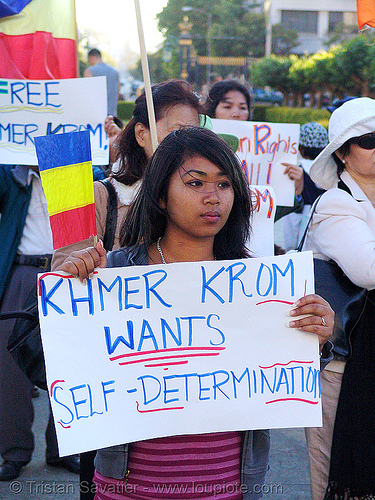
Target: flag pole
76, 37
146, 77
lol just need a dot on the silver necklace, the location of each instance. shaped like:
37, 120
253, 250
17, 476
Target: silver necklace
160, 251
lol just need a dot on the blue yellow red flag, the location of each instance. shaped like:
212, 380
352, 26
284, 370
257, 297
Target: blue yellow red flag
38, 39
66, 172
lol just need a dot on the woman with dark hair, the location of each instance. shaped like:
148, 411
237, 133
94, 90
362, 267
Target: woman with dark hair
193, 205
228, 100
176, 105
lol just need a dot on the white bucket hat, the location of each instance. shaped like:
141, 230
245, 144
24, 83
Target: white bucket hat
353, 119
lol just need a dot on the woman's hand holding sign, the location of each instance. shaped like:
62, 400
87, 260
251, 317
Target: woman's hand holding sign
82, 263
317, 317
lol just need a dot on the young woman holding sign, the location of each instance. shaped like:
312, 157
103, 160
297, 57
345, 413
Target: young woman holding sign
194, 205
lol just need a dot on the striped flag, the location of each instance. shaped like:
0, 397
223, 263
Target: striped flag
66, 173
38, 39
365, 13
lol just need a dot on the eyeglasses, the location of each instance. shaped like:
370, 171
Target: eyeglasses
366, 141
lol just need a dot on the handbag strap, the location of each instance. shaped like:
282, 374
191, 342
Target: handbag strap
312, 211
16, 315
341, 185
111, 220
344, 187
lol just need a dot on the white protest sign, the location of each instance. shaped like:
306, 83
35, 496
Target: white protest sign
32, 108
262, 149
261, 243
150, 351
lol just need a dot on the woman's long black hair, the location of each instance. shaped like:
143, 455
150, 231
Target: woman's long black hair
132, 156
146, 220
219, 90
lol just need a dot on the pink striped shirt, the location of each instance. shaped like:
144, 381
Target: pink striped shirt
198, 466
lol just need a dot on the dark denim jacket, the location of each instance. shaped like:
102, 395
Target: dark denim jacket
113, 461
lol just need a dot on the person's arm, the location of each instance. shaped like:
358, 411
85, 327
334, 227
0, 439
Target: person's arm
341, 231
61, 254
87, 73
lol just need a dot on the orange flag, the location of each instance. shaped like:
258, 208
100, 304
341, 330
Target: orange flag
366, 13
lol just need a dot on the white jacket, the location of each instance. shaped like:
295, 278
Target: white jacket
343, 229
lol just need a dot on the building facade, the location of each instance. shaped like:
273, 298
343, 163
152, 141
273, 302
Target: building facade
313, 20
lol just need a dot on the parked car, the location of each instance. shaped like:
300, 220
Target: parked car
271, 96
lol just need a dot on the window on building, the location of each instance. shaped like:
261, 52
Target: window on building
350, 18
300, 20
334, 18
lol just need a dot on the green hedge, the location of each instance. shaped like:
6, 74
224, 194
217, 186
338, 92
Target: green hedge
125, 110
281, 114
261, 113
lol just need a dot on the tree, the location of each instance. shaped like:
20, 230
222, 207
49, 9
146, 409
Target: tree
353, 66
172, 14
283, 40
159, 69
255, 33
321, 73
299, 74
273, 71
341, 33
235, 29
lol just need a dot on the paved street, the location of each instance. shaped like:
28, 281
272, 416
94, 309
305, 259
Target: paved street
287, 479
38, 481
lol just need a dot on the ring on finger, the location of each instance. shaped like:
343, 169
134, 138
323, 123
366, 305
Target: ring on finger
324, 322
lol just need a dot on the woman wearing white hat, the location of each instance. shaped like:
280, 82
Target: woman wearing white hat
343, 230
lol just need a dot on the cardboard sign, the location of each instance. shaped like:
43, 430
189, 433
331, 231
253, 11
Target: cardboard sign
32, 108
261, 242
262, 149
150, 351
